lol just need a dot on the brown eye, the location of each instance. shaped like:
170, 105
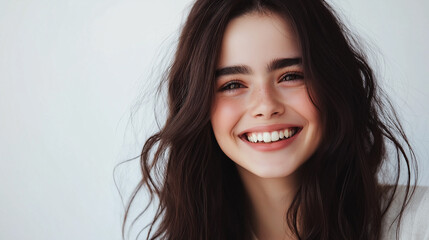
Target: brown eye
291, 77
231, 86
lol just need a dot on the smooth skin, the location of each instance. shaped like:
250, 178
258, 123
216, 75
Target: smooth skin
253, 94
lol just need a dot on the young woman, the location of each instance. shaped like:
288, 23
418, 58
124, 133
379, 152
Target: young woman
276, 130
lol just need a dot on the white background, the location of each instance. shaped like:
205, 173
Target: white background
72, 72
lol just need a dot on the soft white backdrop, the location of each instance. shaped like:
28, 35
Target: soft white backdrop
72, 71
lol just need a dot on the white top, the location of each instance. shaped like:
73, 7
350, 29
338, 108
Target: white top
415, 220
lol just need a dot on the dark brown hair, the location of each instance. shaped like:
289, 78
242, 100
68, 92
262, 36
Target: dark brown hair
199, 190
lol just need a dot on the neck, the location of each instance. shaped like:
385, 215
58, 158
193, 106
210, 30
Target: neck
270, 200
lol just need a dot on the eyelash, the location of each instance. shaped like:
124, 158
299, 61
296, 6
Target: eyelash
229, 86
297, 76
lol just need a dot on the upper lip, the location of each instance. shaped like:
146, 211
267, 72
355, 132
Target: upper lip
268, 128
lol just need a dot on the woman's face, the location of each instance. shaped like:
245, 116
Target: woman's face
262, 116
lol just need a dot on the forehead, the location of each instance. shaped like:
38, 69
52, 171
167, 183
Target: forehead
257, 38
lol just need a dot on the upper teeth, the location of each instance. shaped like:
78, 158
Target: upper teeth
270, 136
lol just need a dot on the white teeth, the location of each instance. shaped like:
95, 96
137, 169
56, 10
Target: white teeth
260, 137
267, 137
254, 137
273, 136
287, 133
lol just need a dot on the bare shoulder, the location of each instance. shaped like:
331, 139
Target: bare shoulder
415, 219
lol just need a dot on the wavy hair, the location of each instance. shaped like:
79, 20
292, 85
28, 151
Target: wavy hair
200, 193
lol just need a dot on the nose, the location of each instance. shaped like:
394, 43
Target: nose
266, 103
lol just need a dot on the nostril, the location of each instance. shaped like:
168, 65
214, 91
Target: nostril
268, 115
267, 109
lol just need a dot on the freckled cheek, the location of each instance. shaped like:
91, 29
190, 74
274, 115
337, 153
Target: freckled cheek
225, 115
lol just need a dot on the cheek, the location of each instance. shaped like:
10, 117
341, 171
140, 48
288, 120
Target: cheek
305, 108
224, 115
302, 103
312, 116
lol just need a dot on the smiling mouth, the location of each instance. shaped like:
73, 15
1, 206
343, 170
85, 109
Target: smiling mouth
269, 137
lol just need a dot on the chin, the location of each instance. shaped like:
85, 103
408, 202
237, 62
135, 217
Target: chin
269, 172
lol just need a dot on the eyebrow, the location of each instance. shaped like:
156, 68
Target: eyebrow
273, 65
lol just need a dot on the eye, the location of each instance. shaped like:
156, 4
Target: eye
292, 76
230, 86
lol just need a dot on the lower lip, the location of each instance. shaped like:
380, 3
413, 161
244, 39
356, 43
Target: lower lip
265, 147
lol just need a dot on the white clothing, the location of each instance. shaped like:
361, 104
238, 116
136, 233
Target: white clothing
415, 220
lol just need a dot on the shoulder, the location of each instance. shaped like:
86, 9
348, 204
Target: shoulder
415, 218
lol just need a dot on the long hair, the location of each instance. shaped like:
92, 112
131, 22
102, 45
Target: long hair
199, 190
